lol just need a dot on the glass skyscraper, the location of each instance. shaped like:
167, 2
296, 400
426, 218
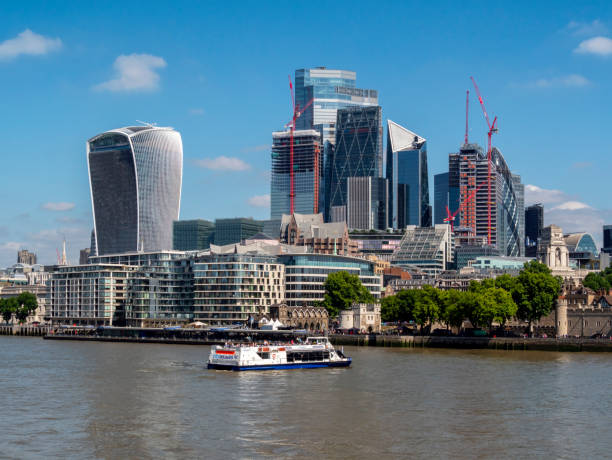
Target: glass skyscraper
330, 90
307, 173
441, 198
135, 178
358, 153
407, 166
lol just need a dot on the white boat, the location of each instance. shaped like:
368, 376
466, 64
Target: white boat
315, 352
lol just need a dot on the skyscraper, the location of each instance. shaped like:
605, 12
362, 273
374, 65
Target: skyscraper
441, 198
367, 203
135, 176
26, 257
229, 231
307, 173
407, 165
474, 192
534, 223
519, 192
330, 90
358, 152
607, 239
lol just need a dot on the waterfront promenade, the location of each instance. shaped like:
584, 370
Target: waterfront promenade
219, 336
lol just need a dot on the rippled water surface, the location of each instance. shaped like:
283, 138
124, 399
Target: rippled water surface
104, 400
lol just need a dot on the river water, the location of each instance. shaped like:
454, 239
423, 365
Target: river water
107, 400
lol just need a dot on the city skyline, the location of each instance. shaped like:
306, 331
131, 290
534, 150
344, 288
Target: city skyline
528, 76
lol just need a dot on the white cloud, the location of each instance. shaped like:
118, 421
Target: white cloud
58, 206
571, 206
260, 201
567, 81
223, 163
28, 42
579, 28
135, 72
11, 246
601, 46
535, 194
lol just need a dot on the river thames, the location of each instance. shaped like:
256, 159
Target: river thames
113, 400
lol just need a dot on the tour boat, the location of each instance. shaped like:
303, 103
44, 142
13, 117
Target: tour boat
314, 352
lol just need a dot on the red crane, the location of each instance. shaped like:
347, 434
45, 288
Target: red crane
492, 129
467, 107
297, 112
451, 217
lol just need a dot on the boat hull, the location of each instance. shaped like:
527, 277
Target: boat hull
272, 367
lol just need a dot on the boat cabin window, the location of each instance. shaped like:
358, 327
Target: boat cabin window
317, 340
264, 354
305, 356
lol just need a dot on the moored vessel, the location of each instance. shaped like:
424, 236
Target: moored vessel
315, 352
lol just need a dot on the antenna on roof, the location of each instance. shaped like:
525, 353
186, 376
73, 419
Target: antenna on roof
145, 123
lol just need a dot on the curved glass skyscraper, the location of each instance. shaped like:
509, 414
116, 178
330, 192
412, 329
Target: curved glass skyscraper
135, 176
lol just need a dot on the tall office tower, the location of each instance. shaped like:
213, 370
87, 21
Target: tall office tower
367, 203
307, 173
135, 176
26, 257
330, 90
441, 197
192, 235
407, 164
84, 256
519, 191
534, 223
607, 239
229, 231
93, 251
358, 152
474, 194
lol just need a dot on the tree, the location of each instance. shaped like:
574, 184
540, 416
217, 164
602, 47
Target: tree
536, 292
389, 308
342, 290
453, 313
426, 306
27, 304
8, 307
597, 281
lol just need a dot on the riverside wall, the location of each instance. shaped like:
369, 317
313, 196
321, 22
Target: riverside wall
492, 343
35, 331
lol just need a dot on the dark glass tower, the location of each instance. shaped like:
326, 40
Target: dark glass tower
534, 223
135, 177
407, 165
307, 173
358, 151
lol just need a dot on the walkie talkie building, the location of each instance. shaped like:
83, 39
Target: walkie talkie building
135, 176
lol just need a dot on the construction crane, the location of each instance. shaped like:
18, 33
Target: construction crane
297, 112
492, 129
450, 218
467, 107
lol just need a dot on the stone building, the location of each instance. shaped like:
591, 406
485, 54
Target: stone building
364, 317
321, 238
310, 318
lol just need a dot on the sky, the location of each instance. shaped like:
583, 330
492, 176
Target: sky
217, 72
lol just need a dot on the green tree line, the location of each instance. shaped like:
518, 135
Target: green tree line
21, 306
601, 281
529, 296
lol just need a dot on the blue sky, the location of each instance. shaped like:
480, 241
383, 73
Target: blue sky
217, 72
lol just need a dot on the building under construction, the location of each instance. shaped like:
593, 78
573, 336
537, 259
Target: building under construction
470, 169
307, 173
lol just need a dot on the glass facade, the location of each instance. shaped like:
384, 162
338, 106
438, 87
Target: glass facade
330, 90
367, 203
135, 177
358, 150
231, 288
407, 166
229, 231
192, 235
305, 276
307, 173
534, 223
431, 249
